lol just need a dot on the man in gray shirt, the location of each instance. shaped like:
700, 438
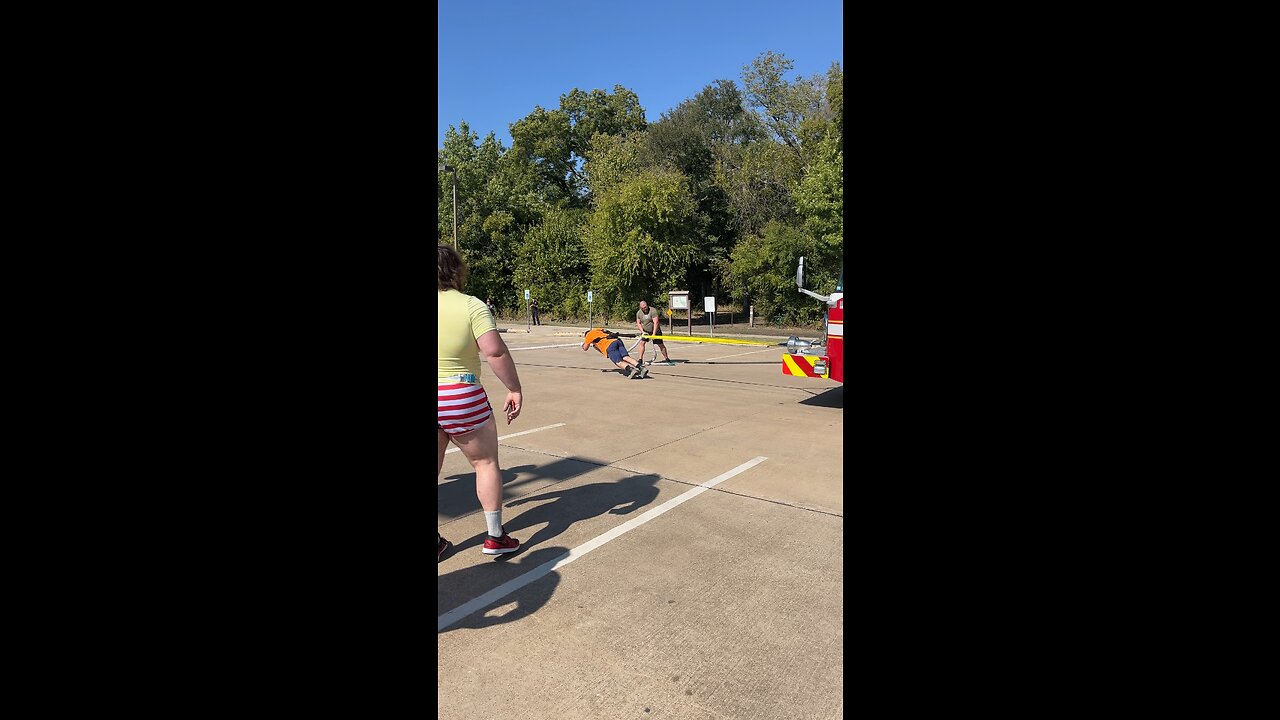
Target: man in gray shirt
649, 320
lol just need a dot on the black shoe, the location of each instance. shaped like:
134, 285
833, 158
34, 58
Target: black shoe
626, 373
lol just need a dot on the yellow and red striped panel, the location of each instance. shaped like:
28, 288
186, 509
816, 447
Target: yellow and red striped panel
802, 366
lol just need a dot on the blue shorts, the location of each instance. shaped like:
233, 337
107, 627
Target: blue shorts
617, 351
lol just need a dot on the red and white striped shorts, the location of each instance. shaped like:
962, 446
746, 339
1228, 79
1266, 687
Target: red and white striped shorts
461, 407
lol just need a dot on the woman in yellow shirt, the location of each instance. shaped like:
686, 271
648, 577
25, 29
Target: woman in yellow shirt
463, 414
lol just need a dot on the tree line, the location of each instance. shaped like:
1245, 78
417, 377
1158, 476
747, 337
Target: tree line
720, 196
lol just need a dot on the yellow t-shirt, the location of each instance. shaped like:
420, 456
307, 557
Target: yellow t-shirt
463, 319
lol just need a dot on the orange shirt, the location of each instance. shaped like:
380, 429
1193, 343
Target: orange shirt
595, 334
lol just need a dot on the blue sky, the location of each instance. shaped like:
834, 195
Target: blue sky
500, 58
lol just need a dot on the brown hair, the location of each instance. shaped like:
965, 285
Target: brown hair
451, 271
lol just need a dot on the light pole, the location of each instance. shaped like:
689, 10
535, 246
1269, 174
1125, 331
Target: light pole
454, 170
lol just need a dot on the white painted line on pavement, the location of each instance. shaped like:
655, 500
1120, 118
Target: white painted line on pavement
455, 448
514, 584
745, 353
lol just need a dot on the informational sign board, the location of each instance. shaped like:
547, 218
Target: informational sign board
679, 299
709, 303
588, 296
526, 294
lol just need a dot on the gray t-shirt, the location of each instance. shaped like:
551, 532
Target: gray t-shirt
646, 318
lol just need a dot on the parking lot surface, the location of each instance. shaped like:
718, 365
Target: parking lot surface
682, 542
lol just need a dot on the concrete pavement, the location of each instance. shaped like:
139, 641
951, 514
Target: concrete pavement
682, 543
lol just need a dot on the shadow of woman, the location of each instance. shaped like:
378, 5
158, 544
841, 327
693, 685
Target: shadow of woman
530, 583
580, 503
456, 494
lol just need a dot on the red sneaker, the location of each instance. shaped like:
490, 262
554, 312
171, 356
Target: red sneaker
441, 546
500, 546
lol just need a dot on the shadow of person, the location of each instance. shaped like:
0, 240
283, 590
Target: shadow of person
580, 503
528, 583
456, 494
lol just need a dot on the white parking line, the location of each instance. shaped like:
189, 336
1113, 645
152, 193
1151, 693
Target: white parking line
745, 353
504, 437
514, 584
543, 347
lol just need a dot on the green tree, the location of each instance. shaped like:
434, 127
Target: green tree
556, 142
757, 180
614, 160
783, 105
820, 195
552, 262
641, 238
763, 274
690, 138
828, 118
835, 100
488, 226
540, 141
598, 112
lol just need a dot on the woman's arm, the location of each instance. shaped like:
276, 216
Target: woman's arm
504, 366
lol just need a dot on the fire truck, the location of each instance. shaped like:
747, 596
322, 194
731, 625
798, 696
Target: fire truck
824, 357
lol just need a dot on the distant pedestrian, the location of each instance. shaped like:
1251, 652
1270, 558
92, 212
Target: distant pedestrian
492, 310
533, 310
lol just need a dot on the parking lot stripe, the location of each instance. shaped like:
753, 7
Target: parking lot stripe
543, 347
514, 584
753, 352
504, 437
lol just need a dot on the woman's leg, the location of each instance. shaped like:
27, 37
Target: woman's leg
480, 447
442, 442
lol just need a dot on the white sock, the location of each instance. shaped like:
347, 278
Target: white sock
494, 520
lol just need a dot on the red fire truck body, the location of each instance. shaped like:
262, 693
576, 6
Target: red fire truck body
819, 361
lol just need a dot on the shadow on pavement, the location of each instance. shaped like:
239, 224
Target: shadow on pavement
832, 398
478, 579
581, 503
456, 495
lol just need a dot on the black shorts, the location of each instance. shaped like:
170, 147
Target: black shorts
655, 340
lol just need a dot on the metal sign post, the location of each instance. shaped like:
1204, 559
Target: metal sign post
528, 311
588, 308
709, 303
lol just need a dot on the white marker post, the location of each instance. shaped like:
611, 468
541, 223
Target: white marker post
528, 321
